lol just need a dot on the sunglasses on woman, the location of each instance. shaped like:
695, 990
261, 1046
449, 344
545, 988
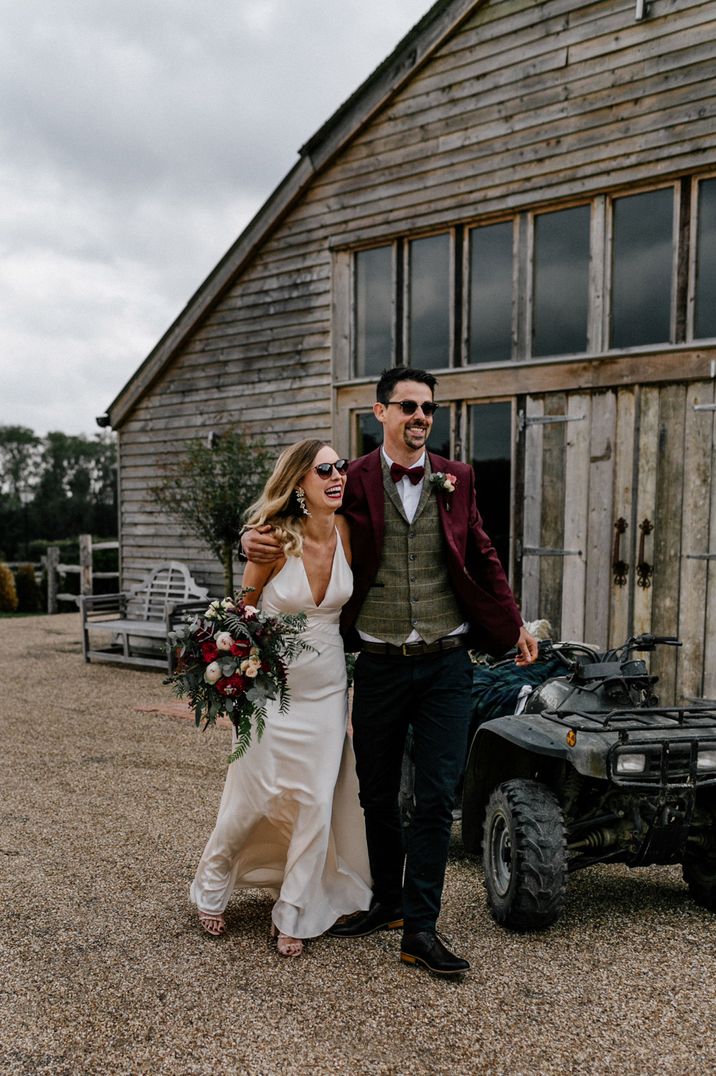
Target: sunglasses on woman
325, 470
409, 407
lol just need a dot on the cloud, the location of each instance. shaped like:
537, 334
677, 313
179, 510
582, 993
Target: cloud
137, 139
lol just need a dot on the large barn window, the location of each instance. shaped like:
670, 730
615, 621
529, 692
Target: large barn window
642, 263
374, 306
490, 300
619, 272
561, 282
705, 299
429, 305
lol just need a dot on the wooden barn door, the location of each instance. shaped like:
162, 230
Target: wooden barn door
619, 523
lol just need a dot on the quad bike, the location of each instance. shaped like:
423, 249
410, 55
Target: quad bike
592, 770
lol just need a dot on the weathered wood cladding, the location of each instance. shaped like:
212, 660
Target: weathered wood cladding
474, 153
526, 104
645, 455
262, 365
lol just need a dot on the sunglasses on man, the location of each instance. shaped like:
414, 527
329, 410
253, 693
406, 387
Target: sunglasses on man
409, 407
325, 470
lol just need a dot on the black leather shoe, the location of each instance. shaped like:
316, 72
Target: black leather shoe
378, 917
427, 949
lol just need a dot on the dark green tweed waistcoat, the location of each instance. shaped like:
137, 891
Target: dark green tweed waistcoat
412, 588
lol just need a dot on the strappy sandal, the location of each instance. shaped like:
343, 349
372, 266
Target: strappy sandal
285, 944
213, 923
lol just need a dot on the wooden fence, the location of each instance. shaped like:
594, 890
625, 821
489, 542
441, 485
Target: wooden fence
56, 570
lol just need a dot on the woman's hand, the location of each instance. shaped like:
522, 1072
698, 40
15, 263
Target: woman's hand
260, 545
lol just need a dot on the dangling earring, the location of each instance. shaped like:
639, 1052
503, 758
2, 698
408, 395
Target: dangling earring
301, 498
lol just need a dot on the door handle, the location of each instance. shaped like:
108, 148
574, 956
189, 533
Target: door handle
644, 570
620, 568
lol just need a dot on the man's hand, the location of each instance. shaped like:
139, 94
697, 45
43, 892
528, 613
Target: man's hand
527, 648
260, 545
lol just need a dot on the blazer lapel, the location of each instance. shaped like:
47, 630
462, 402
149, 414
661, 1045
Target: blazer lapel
448, 520
391, 488
427, 489
372, 473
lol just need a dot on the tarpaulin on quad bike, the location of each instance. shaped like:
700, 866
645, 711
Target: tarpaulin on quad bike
496, 689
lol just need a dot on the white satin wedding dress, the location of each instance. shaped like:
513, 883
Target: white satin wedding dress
289, 819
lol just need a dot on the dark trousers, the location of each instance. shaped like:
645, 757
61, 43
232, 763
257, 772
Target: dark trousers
433, 694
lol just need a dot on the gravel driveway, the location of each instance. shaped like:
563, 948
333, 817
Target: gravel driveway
104, 813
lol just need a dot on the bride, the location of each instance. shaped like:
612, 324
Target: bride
289, 819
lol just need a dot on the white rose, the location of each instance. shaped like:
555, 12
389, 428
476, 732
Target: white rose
252, 670
224, 640
212, 672
449, 486
250, 611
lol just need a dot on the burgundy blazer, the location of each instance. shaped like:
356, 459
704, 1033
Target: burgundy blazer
478, 580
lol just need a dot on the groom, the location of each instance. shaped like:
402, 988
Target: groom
427, 585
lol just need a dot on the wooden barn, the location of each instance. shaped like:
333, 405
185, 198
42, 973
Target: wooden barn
521, 198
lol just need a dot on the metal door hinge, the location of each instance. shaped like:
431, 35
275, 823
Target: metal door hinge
545, 551
523, 420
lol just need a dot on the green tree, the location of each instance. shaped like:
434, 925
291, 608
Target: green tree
55, 487
209, 489
76, 486
19, 458
19, 452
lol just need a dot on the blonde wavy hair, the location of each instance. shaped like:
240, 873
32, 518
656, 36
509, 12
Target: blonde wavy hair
278, 504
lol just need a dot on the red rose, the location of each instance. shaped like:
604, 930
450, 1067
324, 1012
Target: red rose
231, 686
209, 652
240, 649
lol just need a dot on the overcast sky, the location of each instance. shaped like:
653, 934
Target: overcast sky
137, 140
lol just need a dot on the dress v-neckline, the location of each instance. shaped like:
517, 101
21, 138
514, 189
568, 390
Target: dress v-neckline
317, 605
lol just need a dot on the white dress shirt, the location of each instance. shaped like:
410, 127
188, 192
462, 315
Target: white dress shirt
408, 492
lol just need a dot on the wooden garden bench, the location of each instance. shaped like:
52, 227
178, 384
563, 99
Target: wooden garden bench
138, 621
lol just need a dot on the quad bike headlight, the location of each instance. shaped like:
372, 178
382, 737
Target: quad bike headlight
706, 759
634, 762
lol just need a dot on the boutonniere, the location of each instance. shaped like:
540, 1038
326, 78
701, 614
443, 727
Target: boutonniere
445, 482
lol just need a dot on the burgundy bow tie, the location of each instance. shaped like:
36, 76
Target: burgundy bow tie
415, 474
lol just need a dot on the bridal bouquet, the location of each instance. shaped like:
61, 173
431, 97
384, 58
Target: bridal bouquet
231, 661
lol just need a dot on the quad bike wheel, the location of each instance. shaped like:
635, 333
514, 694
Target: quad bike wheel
524, 857
700, 876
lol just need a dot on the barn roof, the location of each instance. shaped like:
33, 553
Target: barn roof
410, 54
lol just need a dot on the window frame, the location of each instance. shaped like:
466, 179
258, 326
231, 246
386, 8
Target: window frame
693, 229
531, 277
685, 224
451, 233
395, 254
674, 186
488, 222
